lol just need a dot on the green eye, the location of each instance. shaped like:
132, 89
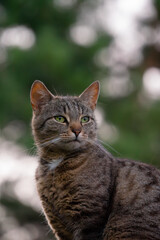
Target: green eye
60, 119
85, 119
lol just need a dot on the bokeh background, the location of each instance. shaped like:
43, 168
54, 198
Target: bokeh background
68, 44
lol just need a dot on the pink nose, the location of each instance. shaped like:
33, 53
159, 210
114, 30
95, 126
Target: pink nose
76, 131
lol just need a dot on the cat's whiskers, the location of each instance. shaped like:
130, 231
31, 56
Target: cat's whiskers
95, 142
47, 139
64, 135
31, 151
109, 146
84, 136
52, 141
98, 141
90, 140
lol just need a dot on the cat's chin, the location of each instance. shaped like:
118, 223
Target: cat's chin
71, 145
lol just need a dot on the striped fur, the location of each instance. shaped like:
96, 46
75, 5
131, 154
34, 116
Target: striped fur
89, 194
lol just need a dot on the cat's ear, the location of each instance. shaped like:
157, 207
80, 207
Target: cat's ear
39, 95
90, 95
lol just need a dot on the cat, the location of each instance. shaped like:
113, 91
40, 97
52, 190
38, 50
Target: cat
86, 193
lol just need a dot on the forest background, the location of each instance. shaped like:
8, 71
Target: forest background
68, 44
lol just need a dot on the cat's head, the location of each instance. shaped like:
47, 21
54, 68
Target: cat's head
63, 122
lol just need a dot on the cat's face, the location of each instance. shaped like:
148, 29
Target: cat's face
65, 123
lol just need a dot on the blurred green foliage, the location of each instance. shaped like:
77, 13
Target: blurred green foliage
68, 68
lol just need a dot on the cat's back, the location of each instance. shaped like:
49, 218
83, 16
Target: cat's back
137, 183
136, 204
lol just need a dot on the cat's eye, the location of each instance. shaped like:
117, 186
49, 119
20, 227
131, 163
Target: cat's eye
85, 119
60, 119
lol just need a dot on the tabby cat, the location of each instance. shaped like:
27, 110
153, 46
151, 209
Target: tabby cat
86, 193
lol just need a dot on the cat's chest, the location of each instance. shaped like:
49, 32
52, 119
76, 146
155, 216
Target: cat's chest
57, 189
72, 189
63, 184
54, 163
52, 179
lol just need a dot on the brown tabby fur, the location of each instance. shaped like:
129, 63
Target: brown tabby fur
86, 193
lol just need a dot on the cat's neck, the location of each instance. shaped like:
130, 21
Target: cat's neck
49, 155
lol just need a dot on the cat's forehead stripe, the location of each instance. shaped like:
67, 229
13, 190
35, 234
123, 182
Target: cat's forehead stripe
72, 108
71, 105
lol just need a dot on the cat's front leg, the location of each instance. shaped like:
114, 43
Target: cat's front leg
60, 232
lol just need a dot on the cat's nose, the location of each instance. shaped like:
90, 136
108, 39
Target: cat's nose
76, 131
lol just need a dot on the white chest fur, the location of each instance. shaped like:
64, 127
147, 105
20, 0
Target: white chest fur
54, 163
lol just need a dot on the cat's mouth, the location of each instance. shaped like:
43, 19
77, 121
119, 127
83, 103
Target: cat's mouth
71, 139
74, 140
70, 144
